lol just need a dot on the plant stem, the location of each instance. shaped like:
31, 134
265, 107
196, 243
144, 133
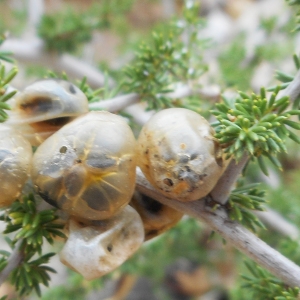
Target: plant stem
221, 191
293, 89
117, 103
33, 52
231, 231
13, 261
275, 221
130, 102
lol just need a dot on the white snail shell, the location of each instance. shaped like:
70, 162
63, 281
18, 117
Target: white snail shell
15, 162
96, 250
45, 106
156, 217
179, 155
87, 168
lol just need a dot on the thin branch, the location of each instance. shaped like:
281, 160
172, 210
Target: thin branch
231, 231
139, 113
169, 8
277, 222
33, 52
14, 260
129, 101
17, 256
35, 10
117, 103
222, 189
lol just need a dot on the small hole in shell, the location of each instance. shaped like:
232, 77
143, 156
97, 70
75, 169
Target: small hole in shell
109, 247
63, 149
168, 181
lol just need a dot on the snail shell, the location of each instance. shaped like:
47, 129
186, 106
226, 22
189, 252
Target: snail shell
45, 106
87, 168
179, 155
156, 217
97, 249
15, 161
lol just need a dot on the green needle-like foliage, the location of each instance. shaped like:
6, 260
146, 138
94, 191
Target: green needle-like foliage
167, 60
31, 227
255, 124
5, 55
265, 286
286, 79
151, 73
296, 4
67, 29
5, 79
92, 95
30, 274
242, 200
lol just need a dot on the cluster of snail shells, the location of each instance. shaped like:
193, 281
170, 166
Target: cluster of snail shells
99, 248
178, 154
85, 165
44, 107
87, 169
156, 217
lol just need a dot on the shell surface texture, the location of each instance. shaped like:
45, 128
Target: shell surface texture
45, 106
87, 168
156, 217
178, 154
15, 162
95, 250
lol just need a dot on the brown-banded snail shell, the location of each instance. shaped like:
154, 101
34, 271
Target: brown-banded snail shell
179, 155
156, 217
15, 162
97, 249
45, 106
87, 168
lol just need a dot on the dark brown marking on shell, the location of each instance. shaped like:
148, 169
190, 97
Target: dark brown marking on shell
184, 158
150, 204
73, 183
168, 182
46, 197
151, 233
58, 121
194, 156
95, 199
37, 105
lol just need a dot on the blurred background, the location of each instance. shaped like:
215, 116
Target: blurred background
239, 46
